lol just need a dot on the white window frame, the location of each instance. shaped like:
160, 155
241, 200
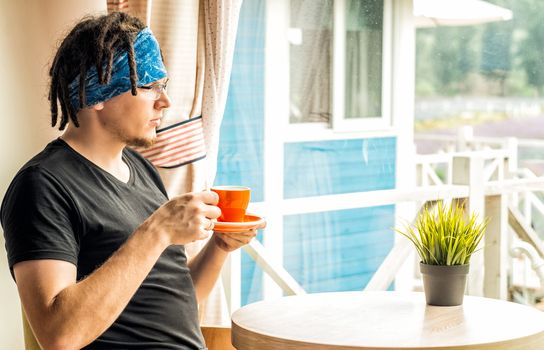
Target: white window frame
397, 121
339, 121
379, 126
279, 131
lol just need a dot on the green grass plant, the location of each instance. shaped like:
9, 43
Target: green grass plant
442, 236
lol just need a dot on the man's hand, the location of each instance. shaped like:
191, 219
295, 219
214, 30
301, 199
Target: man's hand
232, 241
186, 218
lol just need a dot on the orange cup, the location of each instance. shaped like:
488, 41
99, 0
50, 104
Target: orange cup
233, 201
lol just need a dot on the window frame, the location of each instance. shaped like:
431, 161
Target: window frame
338, 123
398, 58
279, 130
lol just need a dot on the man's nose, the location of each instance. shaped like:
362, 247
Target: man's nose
164, 100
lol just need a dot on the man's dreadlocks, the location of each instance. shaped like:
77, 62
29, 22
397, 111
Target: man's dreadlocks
93, 42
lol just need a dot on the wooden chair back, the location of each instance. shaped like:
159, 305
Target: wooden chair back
30, 341
217, 338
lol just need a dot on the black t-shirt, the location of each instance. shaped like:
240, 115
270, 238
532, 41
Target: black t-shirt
62, 206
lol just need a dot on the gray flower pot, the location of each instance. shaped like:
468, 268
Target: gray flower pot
444, 285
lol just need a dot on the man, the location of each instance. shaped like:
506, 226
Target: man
94, 244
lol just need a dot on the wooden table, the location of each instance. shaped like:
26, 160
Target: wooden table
385, 320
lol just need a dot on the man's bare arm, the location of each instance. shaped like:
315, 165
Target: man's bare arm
64, 314
206, 266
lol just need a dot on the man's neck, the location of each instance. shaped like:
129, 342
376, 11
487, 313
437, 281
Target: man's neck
104, 152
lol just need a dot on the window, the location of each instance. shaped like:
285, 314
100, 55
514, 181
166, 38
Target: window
302, 70
363, 62
335, 67
310, 61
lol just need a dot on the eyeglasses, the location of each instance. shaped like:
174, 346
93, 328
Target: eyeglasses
156, 89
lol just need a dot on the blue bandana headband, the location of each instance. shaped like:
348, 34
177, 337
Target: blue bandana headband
149, 68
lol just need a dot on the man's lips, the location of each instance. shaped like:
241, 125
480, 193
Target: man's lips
155, 122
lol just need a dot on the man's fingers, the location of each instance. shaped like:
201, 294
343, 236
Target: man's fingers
207, 224
241, 237
212, 212
230, 241
203, 234
209, 197
210, 200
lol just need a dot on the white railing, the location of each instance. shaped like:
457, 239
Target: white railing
487, 180
525, 205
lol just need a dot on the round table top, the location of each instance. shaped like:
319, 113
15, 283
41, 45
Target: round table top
385, 320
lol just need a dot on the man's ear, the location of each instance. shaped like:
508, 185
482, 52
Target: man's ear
98, 106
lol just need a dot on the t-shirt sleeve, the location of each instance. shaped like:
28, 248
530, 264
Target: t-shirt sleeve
39, 219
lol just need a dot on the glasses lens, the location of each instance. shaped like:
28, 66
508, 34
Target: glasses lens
159, 89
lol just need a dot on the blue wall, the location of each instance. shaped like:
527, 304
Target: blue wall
340, 166
336, 251
339, 250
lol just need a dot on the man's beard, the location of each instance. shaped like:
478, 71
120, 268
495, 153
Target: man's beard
141, 142
131, 140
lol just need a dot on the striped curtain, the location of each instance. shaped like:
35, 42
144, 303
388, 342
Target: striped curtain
178, 144
197, 40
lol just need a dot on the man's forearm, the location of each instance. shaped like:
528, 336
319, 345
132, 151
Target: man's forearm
205, 268
79, 313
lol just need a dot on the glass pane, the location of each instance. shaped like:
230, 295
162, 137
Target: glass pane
489, 76
364, 32
338, 250
340, 166
310, 49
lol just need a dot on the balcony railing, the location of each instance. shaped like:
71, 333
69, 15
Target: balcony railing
484, 175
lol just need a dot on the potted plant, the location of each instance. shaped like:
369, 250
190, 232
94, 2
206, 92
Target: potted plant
445, 241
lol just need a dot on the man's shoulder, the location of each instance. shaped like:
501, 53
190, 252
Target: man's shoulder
45, 166
36, 180
54, 159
